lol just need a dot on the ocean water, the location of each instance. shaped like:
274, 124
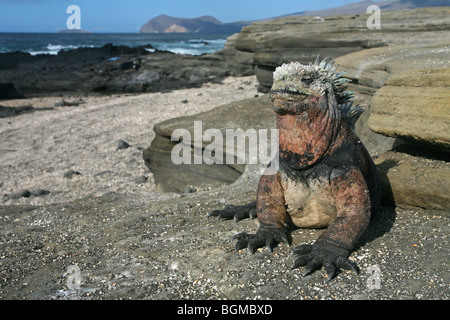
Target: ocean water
52, 43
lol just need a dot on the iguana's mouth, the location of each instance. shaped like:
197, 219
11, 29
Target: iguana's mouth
287, 92
286, 100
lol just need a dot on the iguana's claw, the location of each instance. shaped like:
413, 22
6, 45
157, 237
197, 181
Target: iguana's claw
235, 212
269, 237
324, 254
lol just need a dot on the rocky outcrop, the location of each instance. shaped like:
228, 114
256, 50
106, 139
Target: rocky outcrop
162, 71
414, 180
414, 106
72, 70
120, 69
253, 113
297, 38
159, 71
238, 62
405, 91
369, 69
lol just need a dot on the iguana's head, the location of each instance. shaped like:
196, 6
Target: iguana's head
297, 86
310, 103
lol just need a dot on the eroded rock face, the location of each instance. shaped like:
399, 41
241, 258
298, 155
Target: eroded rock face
414, 181
296, 38
369, 69
255, 113
119, 69
405, 89
414, 106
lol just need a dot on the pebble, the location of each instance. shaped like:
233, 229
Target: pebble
69, 174
141, 179
121, 144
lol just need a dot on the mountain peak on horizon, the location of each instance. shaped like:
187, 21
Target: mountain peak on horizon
204, 24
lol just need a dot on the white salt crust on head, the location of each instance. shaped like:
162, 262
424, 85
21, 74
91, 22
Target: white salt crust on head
325, 74
293, 68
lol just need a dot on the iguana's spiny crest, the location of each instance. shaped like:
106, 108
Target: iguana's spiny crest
297, 82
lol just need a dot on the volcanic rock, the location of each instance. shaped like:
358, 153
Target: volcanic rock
369, 69
414, 105
299, 38
414, 181
8, 91
255, 113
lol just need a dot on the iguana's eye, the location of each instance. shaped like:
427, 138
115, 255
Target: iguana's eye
307, 80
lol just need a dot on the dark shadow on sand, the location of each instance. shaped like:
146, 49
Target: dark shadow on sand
8, 112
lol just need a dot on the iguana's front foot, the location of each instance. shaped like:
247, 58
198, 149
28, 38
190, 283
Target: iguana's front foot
265, 236
236, 212
325, 254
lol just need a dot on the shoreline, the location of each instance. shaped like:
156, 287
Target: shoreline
51, 43
117, 69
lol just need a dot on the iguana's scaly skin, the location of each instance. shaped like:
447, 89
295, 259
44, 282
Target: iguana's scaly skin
326, 177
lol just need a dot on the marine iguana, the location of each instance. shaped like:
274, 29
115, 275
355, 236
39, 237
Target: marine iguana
326, 177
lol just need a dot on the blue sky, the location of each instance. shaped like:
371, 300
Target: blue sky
130, 15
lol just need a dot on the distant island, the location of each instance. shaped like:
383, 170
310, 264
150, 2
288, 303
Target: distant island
73, 31
204, 24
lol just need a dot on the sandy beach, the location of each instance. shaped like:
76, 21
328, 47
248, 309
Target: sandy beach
72, 151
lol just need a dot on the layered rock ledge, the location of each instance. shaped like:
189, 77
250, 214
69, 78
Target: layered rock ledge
298, 38
414, 105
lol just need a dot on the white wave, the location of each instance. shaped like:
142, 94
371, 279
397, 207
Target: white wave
34, 53
53, 49
57, 47
191, 52
197, 45
186, 48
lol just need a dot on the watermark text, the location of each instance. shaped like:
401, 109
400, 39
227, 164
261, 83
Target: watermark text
374, 21
190, 149
74, 20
